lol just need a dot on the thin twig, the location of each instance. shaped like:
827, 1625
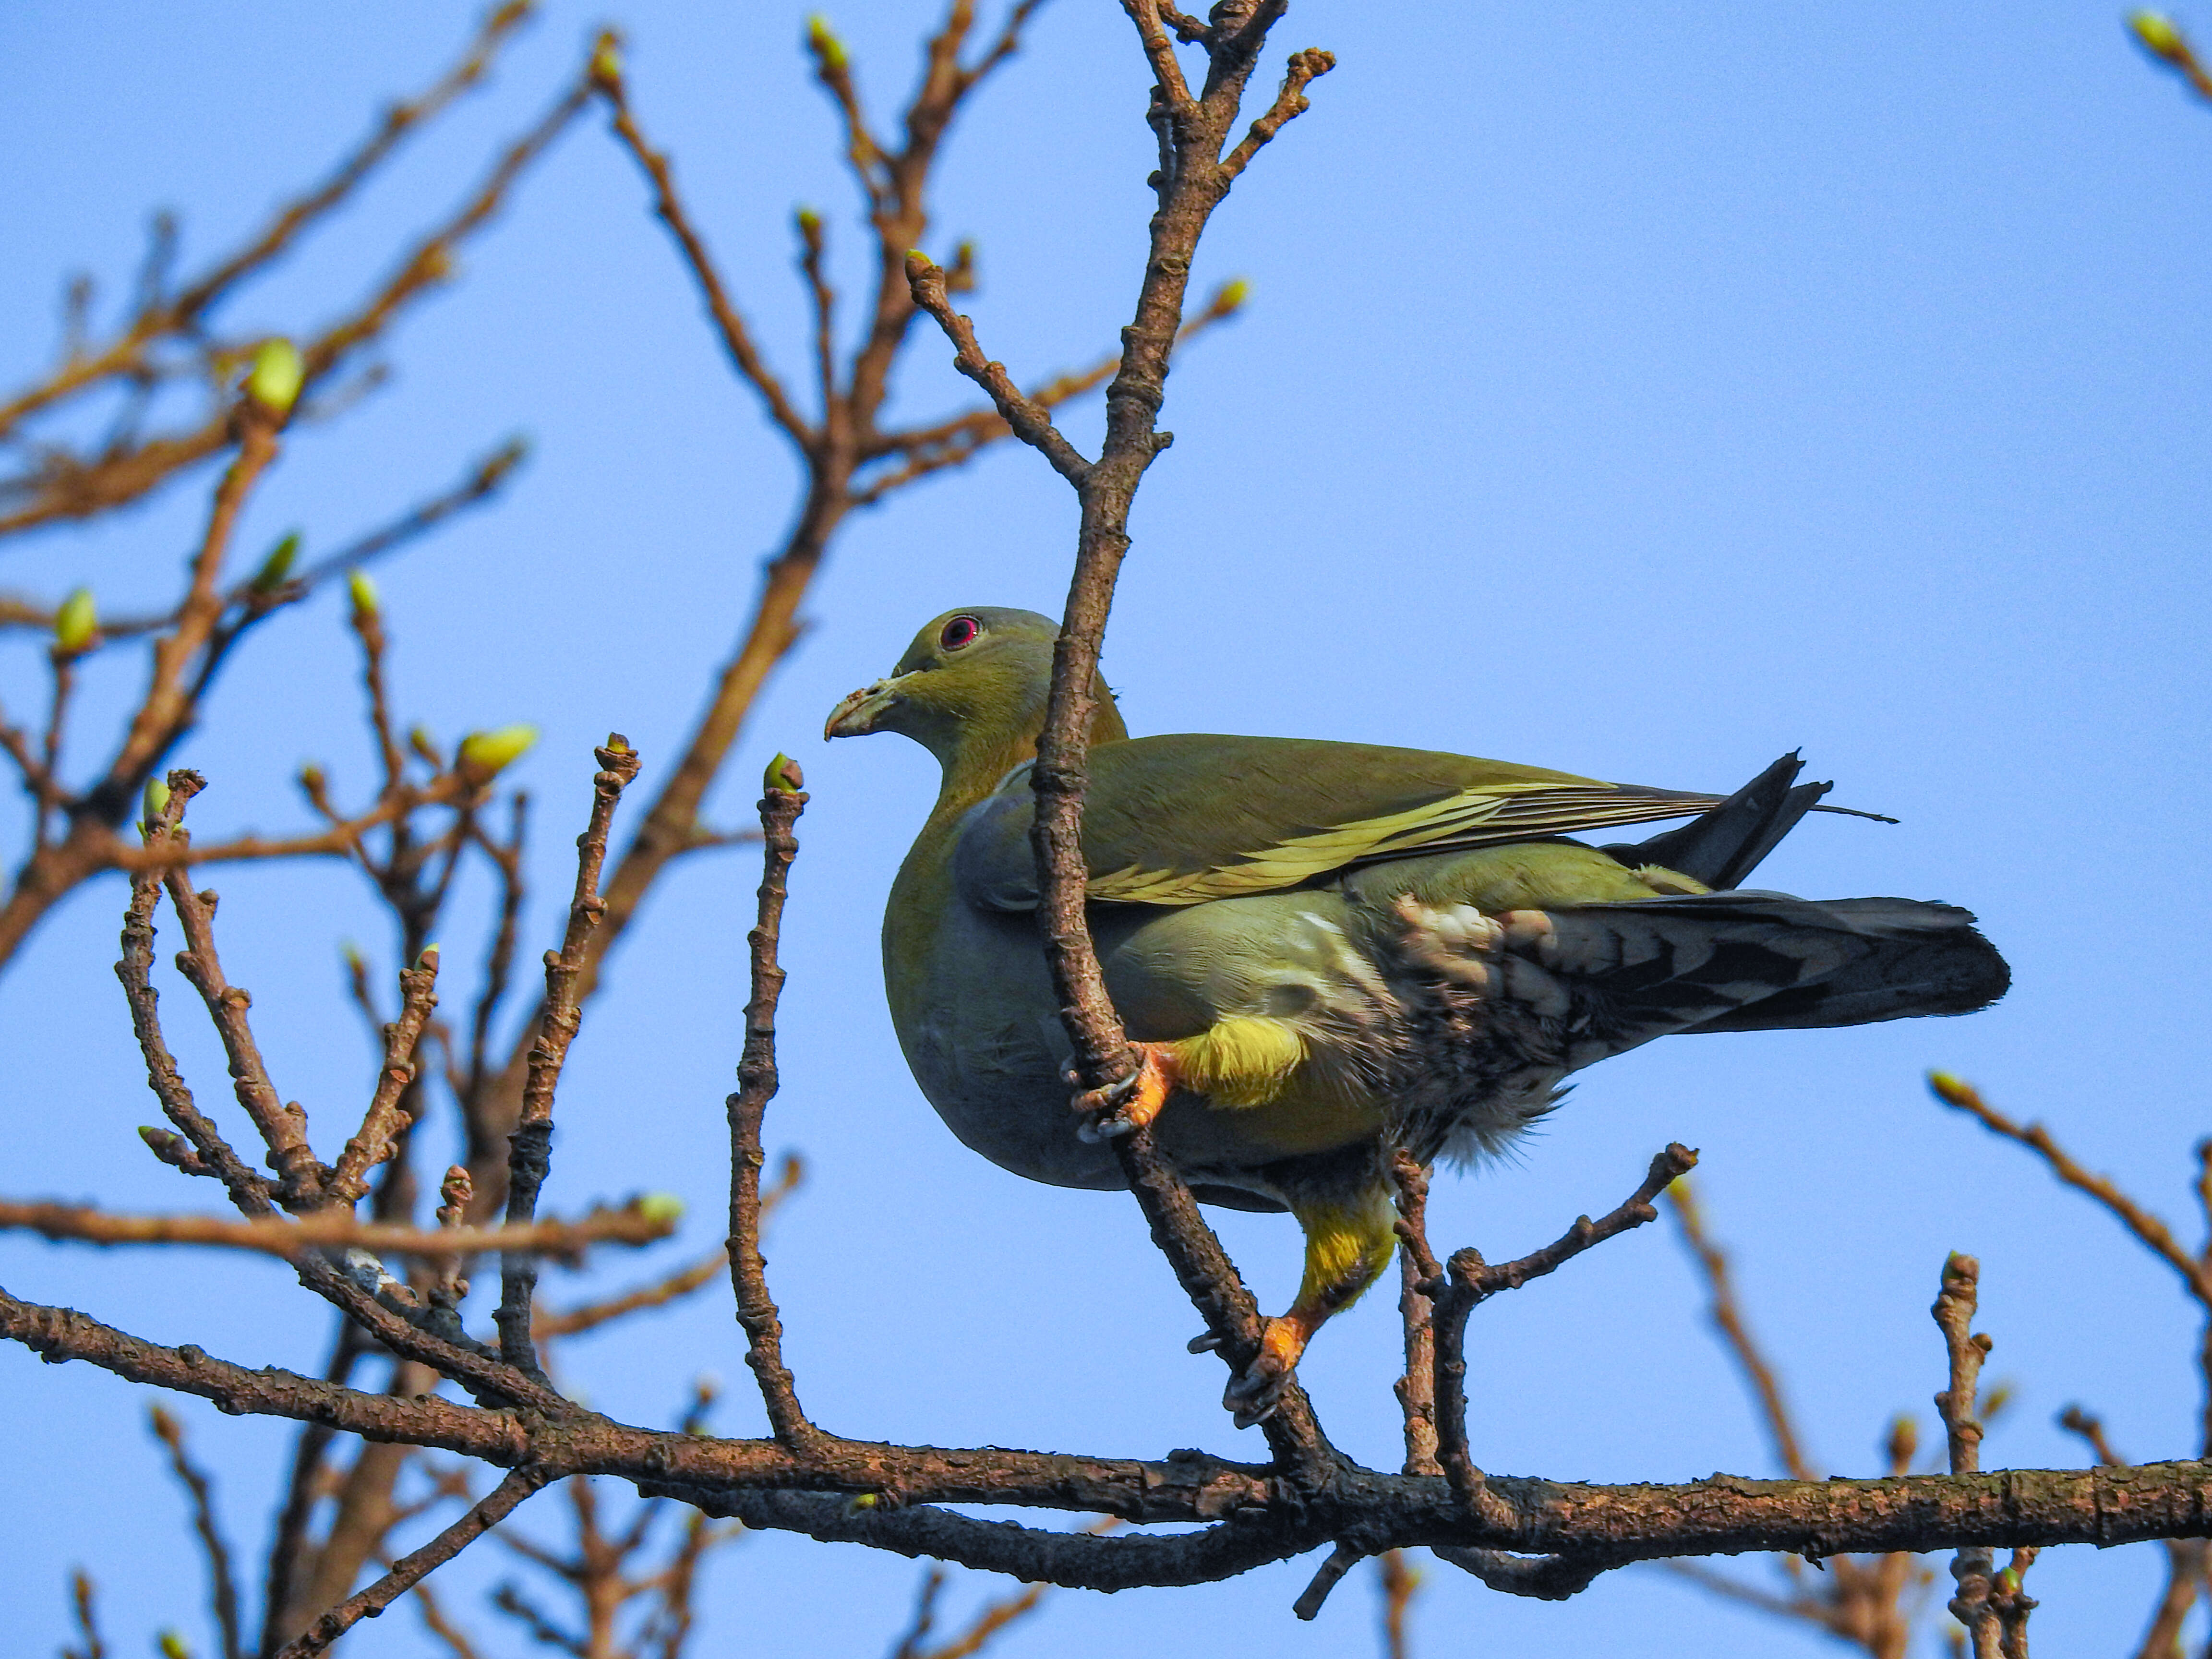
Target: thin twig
1417, 1268
1400, 1584
645, 1221
1726, 1312
729, 322
1027, 419
2162, 38
376, 1141
84, 1608
158, 317
222, 1587
1466, 1283
1972, 1567
574, 1321
781, 801
530, 1150
484, 481
283, 1126
2150, 1230
412, 1568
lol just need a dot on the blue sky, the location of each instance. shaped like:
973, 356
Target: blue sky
1637, 391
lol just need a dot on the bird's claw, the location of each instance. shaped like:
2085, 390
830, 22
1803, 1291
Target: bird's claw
1255, 1393
1125, 1105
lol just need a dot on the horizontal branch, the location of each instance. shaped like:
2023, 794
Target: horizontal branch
638, 1224
768, 1486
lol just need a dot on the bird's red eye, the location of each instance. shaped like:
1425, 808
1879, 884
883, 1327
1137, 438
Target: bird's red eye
961, 630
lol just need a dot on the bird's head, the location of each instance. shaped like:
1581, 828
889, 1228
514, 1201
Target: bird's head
971, 690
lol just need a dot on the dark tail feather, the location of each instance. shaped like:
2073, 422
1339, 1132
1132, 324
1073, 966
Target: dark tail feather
1725, 843
1760, 962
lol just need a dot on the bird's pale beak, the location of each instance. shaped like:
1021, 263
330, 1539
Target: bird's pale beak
856, 716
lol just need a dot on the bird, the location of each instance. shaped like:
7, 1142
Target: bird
1328, 955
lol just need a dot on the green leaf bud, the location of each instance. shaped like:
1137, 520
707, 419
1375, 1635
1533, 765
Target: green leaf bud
157, 800
2160, 35
278, 565
172, 1646
606, 58
784, 777
276, 376
1232, 294
660, 1208
488, 753
825, 45
364, 592
76, 623
809, 222
1952, 1091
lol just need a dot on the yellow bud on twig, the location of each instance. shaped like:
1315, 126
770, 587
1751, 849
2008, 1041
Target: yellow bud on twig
278, 565
784, 777
2160, 35
825, 45
1952, 1091
276, 376
487, 753
157, 800
606, 59
1231, 294
173, 1646
364, 592
76, 623
660, 1207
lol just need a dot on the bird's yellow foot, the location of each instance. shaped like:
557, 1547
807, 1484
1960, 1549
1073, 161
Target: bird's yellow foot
1123, 1108
1255, 1392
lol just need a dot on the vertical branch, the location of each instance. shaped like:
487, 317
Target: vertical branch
167, 709
1400, 1581
1970, 1568
1416, 1270
1192, 183
387, 1118
1455, 1301
530, 1150
85, 1610
1726, 1312
223, 1590
208, 1152
282, 1125
783, 799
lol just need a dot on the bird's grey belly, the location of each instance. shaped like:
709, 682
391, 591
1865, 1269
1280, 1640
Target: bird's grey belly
985, 1044
984, 1041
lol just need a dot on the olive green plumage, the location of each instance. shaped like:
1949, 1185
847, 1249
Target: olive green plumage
1333, 950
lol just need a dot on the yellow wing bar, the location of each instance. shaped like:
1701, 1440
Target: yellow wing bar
1474, 818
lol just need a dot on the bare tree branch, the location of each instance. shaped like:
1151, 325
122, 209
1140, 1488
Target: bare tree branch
643, 1222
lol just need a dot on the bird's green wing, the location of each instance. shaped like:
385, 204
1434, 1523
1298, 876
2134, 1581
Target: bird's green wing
1182, 820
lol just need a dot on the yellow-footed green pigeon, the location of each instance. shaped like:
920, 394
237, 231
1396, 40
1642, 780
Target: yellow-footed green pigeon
1325, 952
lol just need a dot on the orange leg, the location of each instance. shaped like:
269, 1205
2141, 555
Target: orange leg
1349, 1242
